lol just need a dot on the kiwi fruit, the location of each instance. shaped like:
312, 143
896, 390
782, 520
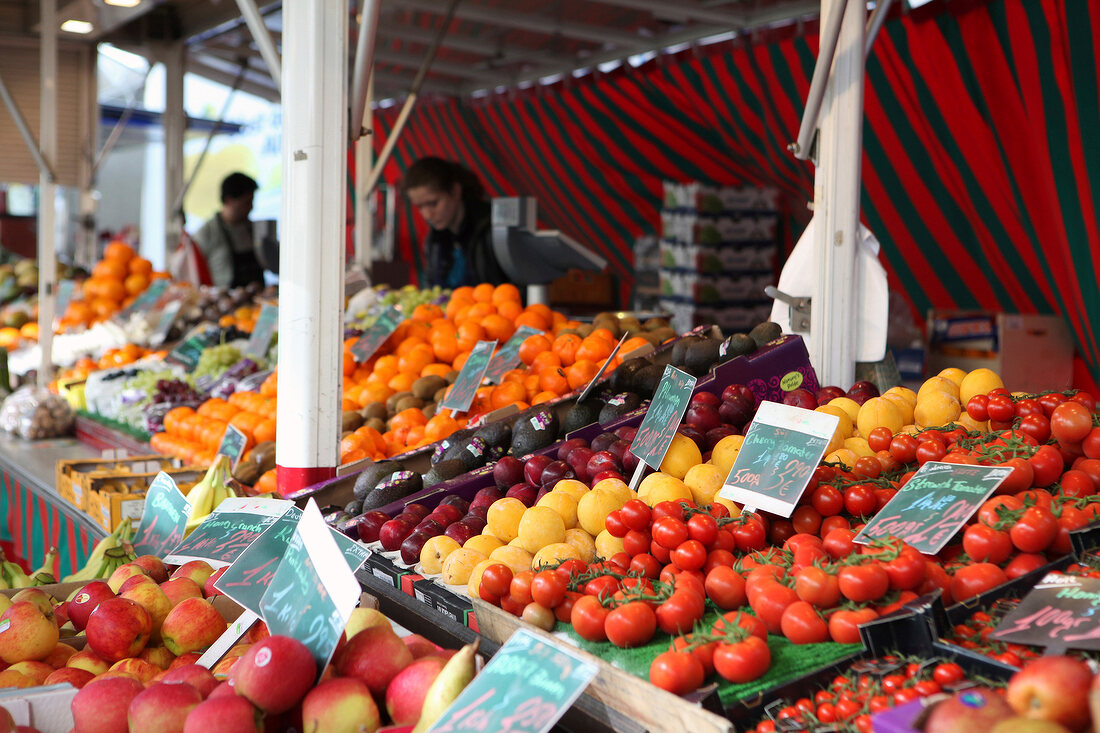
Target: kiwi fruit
765, 332
350, 420
374, 410
425, 387
391, 403
408, 402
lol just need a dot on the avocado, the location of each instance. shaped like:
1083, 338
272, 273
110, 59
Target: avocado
445, 445
618, 406
765, 332
622, 379
581, 414
679, 350
394, 487
646, 380
537, 428
739, 344
495, 434
370, 476
471, 452
444, 471
354, 507
700, 356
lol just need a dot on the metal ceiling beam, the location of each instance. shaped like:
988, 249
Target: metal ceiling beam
684, 11
526, 21
412, 61
261, 34
226, 18
257, 84
396, 84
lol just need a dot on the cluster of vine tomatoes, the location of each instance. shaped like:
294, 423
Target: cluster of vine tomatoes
850, 700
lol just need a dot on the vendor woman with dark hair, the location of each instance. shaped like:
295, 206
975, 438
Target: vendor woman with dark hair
459, 248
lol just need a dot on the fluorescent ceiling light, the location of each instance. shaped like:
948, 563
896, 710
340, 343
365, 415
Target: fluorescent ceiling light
77, 26
913, 4
123, 3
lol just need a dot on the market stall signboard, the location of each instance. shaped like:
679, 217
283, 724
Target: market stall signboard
508, 356
661, 420
163, 519
232, 445
783, 446
603, 368
313, 592
262, 333
387, 322
228, 530
147, 300
934, 504
461, 394
188, 352
525, 688
164, 323
64, 295
1061, 611
250, 574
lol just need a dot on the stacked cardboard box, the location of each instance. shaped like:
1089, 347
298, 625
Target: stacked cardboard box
718, 252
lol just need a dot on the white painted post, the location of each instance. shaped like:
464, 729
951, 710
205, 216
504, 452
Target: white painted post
311, 261
836, 201
47, 189
173, 56
364, 160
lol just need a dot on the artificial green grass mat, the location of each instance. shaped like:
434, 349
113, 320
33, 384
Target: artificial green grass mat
789, 661
118, 425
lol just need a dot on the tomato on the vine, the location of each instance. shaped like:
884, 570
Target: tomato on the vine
880, 438
1034, 530
588, 617
930, 450
703, 528
817, 586
860, 500
1037, 426
1048, 464
903, 447
974, 579
725, 587
802, 624
680, 612
1000, 407
496, 580
630, 625
743, 661
985, 544
1070, 422
861, 583
548, 588
677, 672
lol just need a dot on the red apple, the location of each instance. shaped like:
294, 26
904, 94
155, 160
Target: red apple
368, 525
60, 655
185, 659
75, 677
162, 707
341, 704
375, 655
706, 398
178, 589
134, 581
223, 714
533, 467
196, 570
568, 446
405, 693
393, 533
703, 415
578, 459
13, 678
40, 598
259, 631
827, 394
142, 671
158, 655
101, 705
193, 624
485, 497
556, 471
153, 566
150, 597
37, 671
208, 588
89, 661
974, 709
25, 634
1052, 688
224, 688
121, 573
85, 601
524, 492
118, 628
195, 675
277, 672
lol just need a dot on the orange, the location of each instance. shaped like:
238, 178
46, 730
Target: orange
553, 380
408, 344
439, 427
456, 304
594, 349
408, 418
543, 397
469, 333
565, 346
352, 456
581, 373
174, 417
414, 360
402, 382
445, 346
498, 327
350, 442
604, 334
29, 330
545, 360
532, 320
415, 435
505, 394
543, 310
460, 360
505, 292
78, 311
104, 307
483, 293
465, 292
140, 266
633, 343
349, 364
110, 269
268, 483
118, 251
477, 311
436, 369
532, 346
158, 275
386, 366
112, 290
510, 309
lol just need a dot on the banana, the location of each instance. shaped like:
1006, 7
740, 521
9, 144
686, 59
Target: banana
208, 493
15, 575
448, 684
46, 568
43, 579
123, 533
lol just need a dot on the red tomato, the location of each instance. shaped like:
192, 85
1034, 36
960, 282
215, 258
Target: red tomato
861, 583
860, 500
718, 558
746, 621
1085, 399
1048, 464
564, 610
496, 579
802, 624
679, 613
903, 447
636, 542
906, 571
978, 407
930, 450
828, 524
744, 661
769, 602
677, 672
548, 588
880, 438
1091, 444
1023, 564
669, 532
1077, 484
1091, 466
725, 587
703, 528
1070, 422
1000, 408
690, 555
614, 524
1037, 426
751, 535
1035, 530
972, 580
988, 514
588, 618
806, 519
844, 626
539, 616
985, 544
816, 586
1020, 479
668, 509
827, 500
603, 586
520, 587
630, 625
948, 673
839, 543
636, 514
645, 565
867, 467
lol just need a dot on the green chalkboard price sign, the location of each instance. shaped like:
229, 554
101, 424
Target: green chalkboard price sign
782, 448
263, 331
663, 417
147, 299
387, 322
250, 574
1061, 611
232, 445
228, 530
164, 518
934, 504
461, 393
188, 351
508, 355
525, 688
313, 592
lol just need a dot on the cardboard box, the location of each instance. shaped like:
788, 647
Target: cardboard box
452, 606
108, 505
48, 709
73, 475
1031, 353
712, 199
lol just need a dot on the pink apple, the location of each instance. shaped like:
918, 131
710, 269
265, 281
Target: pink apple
133, 581
141, 670
158, 655
118, 628
162, 707
150, 597
40, 598
37, 671
88, 660
196, 570
1054, 688
85, 601
405, 693
208, 588
185, 659
75, 677
60, 655
375, 655
191, 625
224, 688
419, 646
154, 567
195, 675
100, 706
223, 714
277, 672
341, 704
25, 633
178, 589
121, 573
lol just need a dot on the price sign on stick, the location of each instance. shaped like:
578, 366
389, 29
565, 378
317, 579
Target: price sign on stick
263, 331
164, 518
164, 323
313, 592
782, 448
232, 445
934, 504
665, 412
252, 572
461, 393
603, 368
525, 688
1061, 611
188, 352
508, 355
147, 299
229, 530
64, 295
365, 346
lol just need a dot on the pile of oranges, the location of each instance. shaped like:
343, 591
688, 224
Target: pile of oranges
244, 318
12, 338
116, 280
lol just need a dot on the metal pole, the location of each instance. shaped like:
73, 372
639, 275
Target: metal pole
120, 125
263, 39
874, 24
177, 205
414, 90
311, 259
364, 61
836, 201
47, 189
25, 132
830, 31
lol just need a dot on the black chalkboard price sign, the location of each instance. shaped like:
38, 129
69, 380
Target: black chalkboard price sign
229, 530
661, 420
1061, 611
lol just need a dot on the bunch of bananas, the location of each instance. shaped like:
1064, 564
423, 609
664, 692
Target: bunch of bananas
110, 552
206, 495
12, 575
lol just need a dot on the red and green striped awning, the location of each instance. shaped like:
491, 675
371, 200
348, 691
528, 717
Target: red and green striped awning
981, 164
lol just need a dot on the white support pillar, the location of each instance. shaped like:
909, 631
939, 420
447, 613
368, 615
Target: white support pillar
47, 189
836, 201
175, 123
84, 251
364, 161
311, 260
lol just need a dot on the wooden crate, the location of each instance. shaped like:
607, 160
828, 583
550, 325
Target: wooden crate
108, 503
654, 709
74, 475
